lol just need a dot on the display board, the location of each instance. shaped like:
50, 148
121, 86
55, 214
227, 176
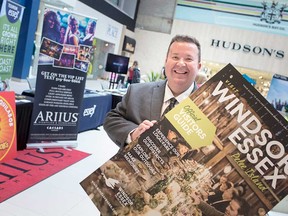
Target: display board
10, 22
64, 58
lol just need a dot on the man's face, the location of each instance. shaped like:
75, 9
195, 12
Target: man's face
182, 149
228, 194
172, 136
222, 179
232, 208
181, 66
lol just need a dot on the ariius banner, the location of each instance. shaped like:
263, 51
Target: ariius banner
66, 50
8, 136
10, 23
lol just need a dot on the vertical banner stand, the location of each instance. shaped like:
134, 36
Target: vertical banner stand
112, 80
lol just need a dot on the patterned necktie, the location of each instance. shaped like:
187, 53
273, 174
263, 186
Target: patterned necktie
171, 105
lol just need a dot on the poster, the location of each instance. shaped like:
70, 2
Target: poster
224, 148
8, 135
10, 23
65, 55
277, 94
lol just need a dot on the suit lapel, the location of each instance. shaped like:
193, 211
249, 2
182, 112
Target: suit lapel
157, 100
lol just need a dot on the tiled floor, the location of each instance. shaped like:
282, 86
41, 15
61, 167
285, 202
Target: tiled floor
61, 194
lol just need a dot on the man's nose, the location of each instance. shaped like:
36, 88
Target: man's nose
181, 62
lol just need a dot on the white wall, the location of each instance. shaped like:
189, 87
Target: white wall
151, 47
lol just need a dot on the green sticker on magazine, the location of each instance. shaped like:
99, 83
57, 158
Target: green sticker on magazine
192, 124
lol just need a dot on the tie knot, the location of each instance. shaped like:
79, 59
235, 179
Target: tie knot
172, 103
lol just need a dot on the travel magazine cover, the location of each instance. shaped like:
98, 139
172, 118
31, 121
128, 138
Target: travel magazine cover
221, 151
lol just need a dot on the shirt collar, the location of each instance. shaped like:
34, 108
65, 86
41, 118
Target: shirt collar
179, 98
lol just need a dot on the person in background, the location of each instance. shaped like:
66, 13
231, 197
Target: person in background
144, 103
236, 207
51, 26
130, 74
89, 33
72, 33
62, 34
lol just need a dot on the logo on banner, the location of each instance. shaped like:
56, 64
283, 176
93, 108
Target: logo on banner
89, 111
13, 12
273, 13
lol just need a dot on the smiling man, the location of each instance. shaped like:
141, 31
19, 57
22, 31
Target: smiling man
145, 103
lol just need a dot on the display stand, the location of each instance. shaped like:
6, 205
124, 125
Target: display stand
53, 144
112, 80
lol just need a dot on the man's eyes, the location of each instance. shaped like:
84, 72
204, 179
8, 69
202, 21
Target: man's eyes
186, 59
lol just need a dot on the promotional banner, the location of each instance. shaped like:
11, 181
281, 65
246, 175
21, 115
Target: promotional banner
277, 94
8, 135
10, 22
64, 59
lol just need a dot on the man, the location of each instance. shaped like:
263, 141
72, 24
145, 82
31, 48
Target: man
236, 207
144, 103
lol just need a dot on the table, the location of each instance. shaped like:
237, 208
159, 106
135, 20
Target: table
29, 93
95, 105
24, 107
116, 99
117, 95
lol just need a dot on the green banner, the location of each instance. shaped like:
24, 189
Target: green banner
10, 22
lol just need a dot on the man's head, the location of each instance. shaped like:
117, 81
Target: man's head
235, 207
223, 179
183, 62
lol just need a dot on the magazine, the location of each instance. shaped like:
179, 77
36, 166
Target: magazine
222, 149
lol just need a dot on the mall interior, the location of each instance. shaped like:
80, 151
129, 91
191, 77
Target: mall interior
232, 32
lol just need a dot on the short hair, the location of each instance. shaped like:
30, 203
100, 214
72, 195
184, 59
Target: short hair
244, 207
186, 39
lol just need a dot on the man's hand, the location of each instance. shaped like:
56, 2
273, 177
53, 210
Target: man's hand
145, 125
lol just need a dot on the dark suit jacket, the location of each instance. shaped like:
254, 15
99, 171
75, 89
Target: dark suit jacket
143, 101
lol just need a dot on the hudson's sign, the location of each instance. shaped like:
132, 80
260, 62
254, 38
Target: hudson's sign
246, 48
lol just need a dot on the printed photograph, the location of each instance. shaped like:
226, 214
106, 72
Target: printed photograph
81, 65
84, 53
51, 48
45, 60
70, 49
66, 61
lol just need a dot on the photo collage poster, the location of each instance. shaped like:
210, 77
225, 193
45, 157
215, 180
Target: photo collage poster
65, 56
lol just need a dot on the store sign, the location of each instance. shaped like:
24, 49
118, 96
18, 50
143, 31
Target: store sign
129, 44
247, 48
